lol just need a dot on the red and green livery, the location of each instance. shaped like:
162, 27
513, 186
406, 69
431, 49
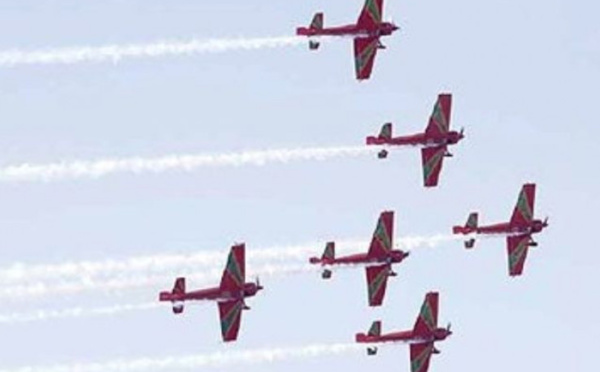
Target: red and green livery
378, 260
518, 231
434, 141
230, 294
366, 32
421, 338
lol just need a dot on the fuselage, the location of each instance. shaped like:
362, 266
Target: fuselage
384, 29
408, 337
504, 228
419, 139
211, 294
394, 256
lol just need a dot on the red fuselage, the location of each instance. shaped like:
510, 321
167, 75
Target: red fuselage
409, 337
213, 294
505, 228
394, 256
384, 29
419, 139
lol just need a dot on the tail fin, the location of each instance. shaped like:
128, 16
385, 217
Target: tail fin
179, 287
317, 21
386, 131
329, 253
472, 221
375, 329
470, 226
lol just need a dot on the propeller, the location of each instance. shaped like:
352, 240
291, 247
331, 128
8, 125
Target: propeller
258, 286
545, 224
462, 132
449, 327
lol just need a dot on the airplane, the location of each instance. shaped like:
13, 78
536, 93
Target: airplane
378, 259
366, 34
518, 230
434, 141
230, 295
421, 338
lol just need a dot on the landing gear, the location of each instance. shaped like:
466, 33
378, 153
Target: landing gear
371, 351
382, 154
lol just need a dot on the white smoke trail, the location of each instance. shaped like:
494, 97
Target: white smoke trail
175, 263
217, 359
172, 263
75, 312
185, 163
117, 285
115, 53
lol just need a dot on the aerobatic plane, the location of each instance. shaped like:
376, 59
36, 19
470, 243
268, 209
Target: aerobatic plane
230, 295
421, 338
378, 259
434, 141
366, 34
519, 229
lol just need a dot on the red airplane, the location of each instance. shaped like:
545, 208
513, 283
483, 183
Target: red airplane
230, 295
379, 258
366, 34
434, 141
421, 338
519, 230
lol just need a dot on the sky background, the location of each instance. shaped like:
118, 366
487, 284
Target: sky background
524, 78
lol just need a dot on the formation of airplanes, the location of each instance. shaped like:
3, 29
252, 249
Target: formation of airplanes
380, 256
233, 290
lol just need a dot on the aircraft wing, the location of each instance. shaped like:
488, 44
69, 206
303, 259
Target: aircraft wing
517, 253
230, 315
234, 276
371, 14
365, 49
383, 236
523, 212
428, 316
439, 121
420, 355
432, 159
377, 277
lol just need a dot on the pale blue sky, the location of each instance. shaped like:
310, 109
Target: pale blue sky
524, 77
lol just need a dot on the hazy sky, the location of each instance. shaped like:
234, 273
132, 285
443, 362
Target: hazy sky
524, 75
